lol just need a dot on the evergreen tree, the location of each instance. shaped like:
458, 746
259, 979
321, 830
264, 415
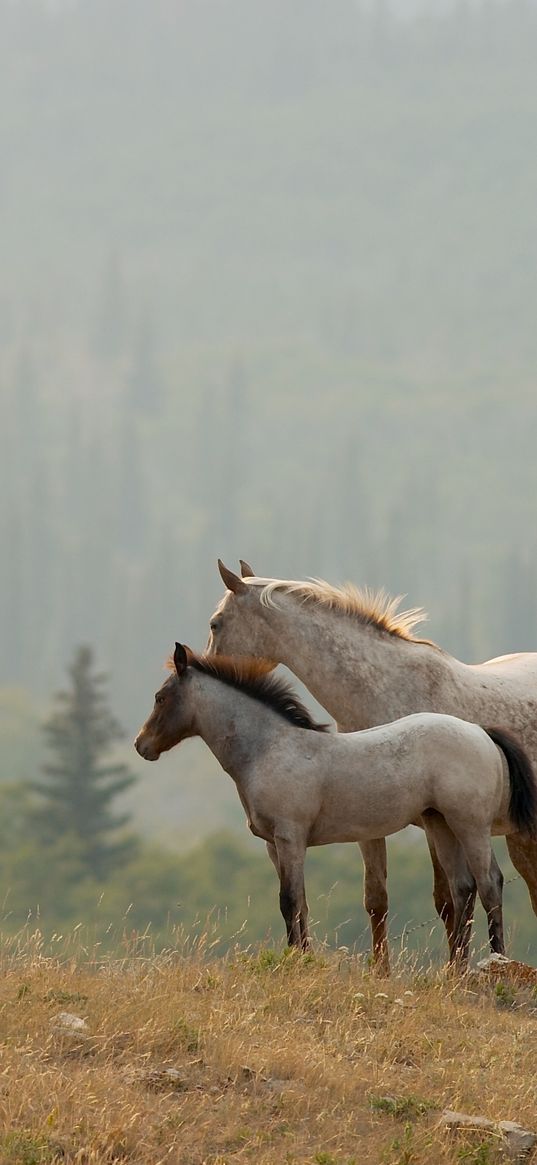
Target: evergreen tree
77, 789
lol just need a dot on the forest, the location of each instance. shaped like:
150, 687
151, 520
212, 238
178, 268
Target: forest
267, 289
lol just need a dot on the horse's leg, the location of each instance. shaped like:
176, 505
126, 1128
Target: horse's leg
451, 857
489, 880
271, 850
523, 854
303, 919
376, 900
441, 892
290, 856
496, 939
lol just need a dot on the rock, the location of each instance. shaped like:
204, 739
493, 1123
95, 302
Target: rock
516, 1140
461, 1120
500, 967
69, 1024
165, 1080
492, 961
519, 1141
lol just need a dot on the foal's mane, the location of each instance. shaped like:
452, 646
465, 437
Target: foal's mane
371, 608
253, 677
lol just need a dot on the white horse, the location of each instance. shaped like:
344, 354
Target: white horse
370, 670
303, 786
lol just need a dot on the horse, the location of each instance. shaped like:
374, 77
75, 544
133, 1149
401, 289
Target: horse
373, 670
302, 785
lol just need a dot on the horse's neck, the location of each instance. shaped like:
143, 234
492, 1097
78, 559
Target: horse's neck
233, 725
362, 676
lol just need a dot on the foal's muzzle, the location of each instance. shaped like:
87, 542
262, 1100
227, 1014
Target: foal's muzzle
145, 749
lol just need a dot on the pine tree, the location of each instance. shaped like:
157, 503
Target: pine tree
78, 786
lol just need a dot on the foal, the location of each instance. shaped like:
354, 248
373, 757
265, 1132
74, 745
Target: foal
303, 786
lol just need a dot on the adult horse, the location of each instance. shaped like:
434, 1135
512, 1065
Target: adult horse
358, 655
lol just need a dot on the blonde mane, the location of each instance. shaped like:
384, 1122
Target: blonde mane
372, 608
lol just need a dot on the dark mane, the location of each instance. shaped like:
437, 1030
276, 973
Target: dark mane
253, 677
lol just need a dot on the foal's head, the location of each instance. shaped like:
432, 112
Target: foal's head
172, 718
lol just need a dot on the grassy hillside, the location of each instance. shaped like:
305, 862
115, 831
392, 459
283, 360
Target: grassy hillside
261, 1057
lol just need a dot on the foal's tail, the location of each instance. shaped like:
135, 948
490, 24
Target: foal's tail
523, 799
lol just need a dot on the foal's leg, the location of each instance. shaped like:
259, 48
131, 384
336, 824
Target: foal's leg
489, 880
376, 900
462, 887
441, 891
290, 853
303, 919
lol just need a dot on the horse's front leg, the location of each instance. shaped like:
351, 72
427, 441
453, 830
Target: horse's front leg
304, 913
376, 900
289, 862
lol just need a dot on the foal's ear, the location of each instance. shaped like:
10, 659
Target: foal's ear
231, 581
246, 569
180, 659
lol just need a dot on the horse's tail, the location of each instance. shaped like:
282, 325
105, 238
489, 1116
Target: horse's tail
523, 799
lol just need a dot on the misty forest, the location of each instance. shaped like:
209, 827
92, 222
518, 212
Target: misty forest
267, 289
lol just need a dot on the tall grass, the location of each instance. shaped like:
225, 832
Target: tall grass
260, 1056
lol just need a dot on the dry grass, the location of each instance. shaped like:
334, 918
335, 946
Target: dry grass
278, 1059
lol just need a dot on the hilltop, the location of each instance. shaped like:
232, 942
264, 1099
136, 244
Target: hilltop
261, 1056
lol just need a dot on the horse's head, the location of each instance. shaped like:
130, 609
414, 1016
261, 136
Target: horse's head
240, 624
172, 718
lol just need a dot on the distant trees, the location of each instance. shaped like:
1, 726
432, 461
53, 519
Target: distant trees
79, 785
110, 324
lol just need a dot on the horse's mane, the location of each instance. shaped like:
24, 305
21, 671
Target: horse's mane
255, 678
372, 608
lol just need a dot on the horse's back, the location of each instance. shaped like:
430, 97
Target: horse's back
518, 667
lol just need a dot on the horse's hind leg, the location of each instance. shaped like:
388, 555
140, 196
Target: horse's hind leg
290, 857
462, 887
523, 854
376, 900
495, 917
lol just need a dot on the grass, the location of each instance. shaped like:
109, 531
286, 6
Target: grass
264, 1057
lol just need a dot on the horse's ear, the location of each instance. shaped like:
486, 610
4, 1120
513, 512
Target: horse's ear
230, 580
180, 659
246, 569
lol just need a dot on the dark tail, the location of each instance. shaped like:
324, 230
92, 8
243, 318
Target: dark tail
523, 799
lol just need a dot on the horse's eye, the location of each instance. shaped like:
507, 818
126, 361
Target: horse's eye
159, 698
215, 624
